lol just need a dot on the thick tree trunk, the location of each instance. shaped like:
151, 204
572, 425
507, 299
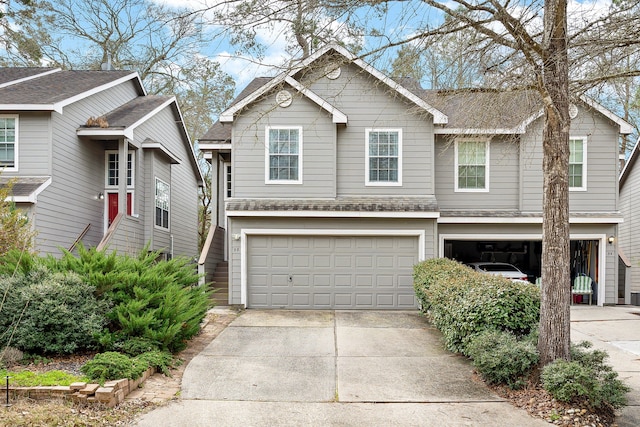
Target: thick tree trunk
556, 280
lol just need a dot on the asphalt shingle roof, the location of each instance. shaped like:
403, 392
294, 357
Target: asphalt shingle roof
10, 74
55, 87
134, 110
24, 186
340, 204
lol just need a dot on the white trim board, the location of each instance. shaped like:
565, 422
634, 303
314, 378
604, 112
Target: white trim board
334, 214
246, 232
524, 220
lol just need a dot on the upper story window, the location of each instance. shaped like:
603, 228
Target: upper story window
472, 165
283, 155
113, 169
577, 163
383, 156
9, 142
162, 204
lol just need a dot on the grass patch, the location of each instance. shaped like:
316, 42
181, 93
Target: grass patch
33, 379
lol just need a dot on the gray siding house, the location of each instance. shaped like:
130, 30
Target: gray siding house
67, 137
630, 228
333, 180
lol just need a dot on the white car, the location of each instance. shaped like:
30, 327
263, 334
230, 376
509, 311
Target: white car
500, 269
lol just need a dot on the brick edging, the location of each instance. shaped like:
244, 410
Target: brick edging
110, 394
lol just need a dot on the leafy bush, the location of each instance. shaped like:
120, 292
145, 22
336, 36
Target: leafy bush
15, 229
501, 358
112, 366
10, 355
462, 303
586, 376
158, 301
50, 312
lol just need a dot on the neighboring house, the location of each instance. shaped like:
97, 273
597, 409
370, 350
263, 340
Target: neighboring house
630, 229
333, 180
67, 137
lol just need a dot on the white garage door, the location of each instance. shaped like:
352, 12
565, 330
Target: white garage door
371, 272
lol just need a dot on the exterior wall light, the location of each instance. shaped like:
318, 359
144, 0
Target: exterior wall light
611, 240
101, 196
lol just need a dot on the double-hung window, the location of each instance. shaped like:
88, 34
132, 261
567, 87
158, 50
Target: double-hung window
472, 165
162, 204
383, 164
9, 142
578, 163
283, 155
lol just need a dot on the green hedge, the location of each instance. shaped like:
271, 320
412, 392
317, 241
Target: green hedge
462, 303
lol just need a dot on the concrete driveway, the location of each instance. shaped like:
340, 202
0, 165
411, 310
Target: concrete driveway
332, 368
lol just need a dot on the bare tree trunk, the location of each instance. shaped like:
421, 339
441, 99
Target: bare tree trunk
554, 337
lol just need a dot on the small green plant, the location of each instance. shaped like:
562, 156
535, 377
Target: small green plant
112, 366
162, 361
137, 345
501, 358
586, 376
33, 379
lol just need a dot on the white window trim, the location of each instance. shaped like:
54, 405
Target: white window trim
584, 163
16, 144
267, 155
369, 183
159, 227
457, 189
106, 169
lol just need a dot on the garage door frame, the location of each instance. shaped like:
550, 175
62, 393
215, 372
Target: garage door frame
602, 252
246, 232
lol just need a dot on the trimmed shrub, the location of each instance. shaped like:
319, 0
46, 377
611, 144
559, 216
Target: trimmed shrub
160, 360
136, 346
501, 358
158, 301
586, 376
48, 312
462, 303
112, 366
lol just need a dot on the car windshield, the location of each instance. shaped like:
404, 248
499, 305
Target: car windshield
498, 267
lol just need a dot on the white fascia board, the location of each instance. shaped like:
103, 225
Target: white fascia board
525, 220
218, 146
338, 116
29, 107
24, 79
151, 114
625, 127
127, 133
333, 214
630, 160
60, 105
165, 150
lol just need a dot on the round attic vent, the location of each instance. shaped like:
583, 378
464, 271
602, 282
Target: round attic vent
332, 72
573, 111
284, 98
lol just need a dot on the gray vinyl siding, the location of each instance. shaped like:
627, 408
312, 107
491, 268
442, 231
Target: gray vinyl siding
34, 144
602, 165
182, 179
371, 104
70, 202
629, 230
236, 225
318, 149
503, 182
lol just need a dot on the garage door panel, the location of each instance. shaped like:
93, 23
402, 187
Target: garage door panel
348, 272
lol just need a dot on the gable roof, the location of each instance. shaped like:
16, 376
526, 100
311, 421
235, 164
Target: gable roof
288, 77
53, 90
13, 75
25, 189
123, 121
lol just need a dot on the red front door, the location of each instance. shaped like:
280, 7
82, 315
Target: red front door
112, 201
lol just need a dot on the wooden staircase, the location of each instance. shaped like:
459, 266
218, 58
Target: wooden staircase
220, 284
